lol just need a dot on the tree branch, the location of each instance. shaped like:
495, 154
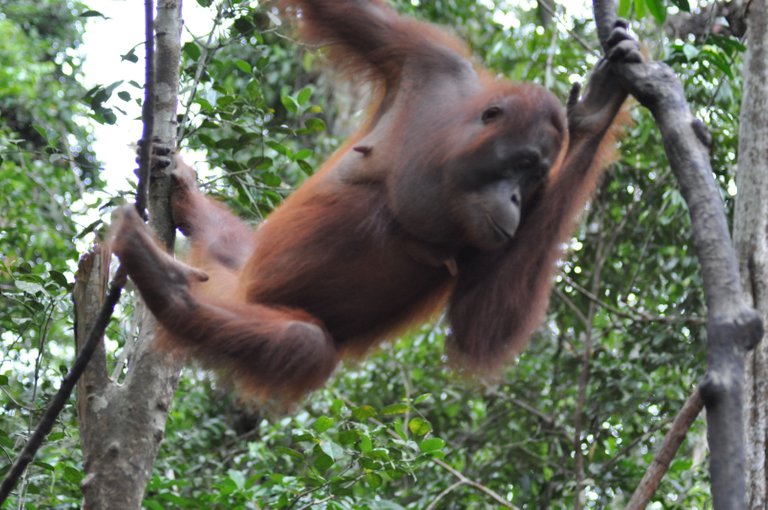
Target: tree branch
733, 326
661, 462
147, 111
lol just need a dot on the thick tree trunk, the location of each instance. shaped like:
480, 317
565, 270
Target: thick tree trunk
123, 425
750, 234
733, 327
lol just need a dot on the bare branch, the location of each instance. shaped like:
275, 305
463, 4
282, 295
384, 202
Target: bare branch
477, 485
661, 462
634, 315
445, 492
147, 111
734, 327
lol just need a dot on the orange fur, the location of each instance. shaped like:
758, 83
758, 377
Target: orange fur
409, 215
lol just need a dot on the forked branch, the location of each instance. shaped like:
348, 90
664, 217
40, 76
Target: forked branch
733, 326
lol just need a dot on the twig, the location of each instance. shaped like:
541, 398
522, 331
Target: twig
551, 50
576, 37
314, 503
477, 485
631, 445
147, 111
443, 494
672, 441
202, 62
635, 315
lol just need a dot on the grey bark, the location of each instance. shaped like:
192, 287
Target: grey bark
733, 326
751, 239
123, 425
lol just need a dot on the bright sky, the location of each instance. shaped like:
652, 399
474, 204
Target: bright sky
107, 39
104, 42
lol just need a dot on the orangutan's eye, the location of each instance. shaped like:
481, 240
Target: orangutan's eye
491, 113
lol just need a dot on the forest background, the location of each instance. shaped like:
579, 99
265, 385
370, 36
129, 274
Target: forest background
578, 418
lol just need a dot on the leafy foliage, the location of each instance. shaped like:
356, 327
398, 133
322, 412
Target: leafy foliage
591, 397
46, 172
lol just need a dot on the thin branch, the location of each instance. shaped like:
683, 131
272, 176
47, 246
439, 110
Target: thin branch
570, 304
443, 494
547, 419
548, 72
576, 37
477, 485
584, 374
147, 111
631, 445
672, 441
634, 315
202, 62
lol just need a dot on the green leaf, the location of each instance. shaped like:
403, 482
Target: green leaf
373, 480
323, 423
59, 279
366, 445
40, 131
305, 167
72, 475
44, 465
625, 8
244, 66
640, 8
29, 287
331, 449
205, 105
363, 412
379, 454
238, 477
422, 398
130, 56
323, 462
345, 437
289, 451
369, 464
393, 409
432, 444
56, 436
657, 9
419, 426
314, 124
690, 51
261, 163
192, 50
302, 154
271, 179
304, 95
92, 14
290, 103
277, 147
